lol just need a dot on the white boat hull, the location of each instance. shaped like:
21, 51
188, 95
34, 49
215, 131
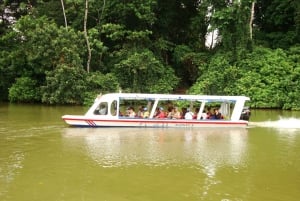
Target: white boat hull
83, 121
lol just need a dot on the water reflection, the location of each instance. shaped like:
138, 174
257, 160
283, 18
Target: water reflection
204, 149
114, 147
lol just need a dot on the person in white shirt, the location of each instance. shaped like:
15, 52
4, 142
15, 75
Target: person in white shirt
189, 114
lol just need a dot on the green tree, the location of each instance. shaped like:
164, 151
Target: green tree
278, 23
24, 90
98, 83
293, 87
142, 72
155, 44
64, 85
36, 45
218, 76
232, 22
266, 78
187, 64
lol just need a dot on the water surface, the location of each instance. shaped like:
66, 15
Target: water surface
41, 158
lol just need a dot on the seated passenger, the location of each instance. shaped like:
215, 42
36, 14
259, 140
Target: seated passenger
184, 111
189, 114
203, 116
216, 114
177, 113
141, 112
208, 113
160, 113
174, 113
171, 111
196, 113
130, 112
146, 113
102, 110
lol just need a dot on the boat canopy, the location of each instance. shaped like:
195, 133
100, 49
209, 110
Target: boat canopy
207, 98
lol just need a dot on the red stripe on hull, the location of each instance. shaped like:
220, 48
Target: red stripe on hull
118, 122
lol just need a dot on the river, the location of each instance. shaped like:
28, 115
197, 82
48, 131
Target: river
41, 158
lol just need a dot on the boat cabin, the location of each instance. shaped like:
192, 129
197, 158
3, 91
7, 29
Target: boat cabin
116, 105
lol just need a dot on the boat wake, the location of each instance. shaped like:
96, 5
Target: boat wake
285, 123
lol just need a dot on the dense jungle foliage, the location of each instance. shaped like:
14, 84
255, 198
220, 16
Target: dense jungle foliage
68, 51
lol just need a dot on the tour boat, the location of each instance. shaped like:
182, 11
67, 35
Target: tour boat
140, 110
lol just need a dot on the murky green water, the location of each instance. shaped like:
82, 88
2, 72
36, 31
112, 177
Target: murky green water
41, 158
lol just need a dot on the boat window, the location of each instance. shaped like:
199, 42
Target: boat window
225, 109
139, 107
113, 108
101, 109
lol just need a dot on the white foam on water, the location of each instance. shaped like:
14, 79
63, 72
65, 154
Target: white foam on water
287, 123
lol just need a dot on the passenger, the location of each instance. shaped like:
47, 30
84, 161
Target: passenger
189, 114
208, 113
196, 113
130, 112
177, 114
174, 113
184, 111
146, 113
160, 113
204, 116
171, 112
102, 110
141, 112
217, 114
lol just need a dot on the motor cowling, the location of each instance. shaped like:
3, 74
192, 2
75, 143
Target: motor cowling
246, 113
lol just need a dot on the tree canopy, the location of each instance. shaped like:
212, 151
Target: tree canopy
68, 51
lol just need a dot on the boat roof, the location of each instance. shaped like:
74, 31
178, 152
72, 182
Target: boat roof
144, 96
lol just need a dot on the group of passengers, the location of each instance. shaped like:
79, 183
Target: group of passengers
142, 113
216, 114
173, 113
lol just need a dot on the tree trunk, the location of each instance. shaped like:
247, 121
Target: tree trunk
63, 8
86, 36
251, 19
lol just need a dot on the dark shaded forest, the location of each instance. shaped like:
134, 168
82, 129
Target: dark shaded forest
68, 51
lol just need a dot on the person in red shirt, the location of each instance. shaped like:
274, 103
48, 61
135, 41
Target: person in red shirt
160, 113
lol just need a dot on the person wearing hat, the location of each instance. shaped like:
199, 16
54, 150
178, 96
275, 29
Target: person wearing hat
146, 113
160, 113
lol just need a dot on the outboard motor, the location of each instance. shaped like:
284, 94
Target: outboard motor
245, 114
